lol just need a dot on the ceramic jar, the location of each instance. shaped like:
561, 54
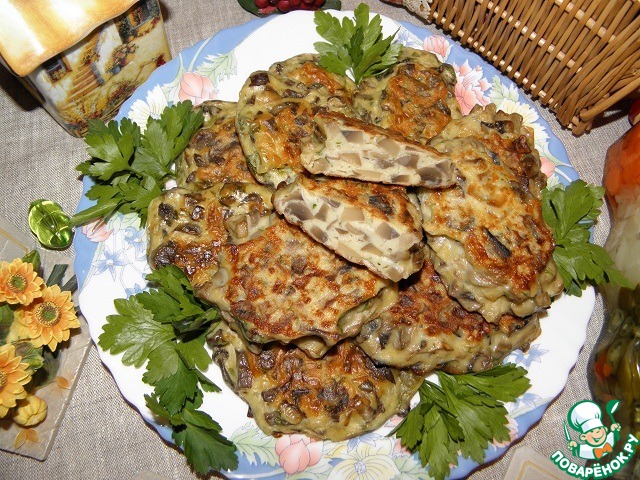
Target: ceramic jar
82, 58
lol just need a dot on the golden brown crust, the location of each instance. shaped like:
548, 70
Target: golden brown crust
277, 134
284, 286
304, 70
35, 31
276, 109
414, 98
189, 229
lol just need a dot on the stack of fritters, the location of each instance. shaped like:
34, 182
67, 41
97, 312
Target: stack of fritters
356, 238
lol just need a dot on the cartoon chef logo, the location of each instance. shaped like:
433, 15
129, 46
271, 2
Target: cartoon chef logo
596, 442
596, 439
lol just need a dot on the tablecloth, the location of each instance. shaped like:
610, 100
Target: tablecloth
101, 436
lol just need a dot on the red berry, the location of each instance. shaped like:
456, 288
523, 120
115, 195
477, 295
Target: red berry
295, 4
318, 3
283, 6
308, 2
261, 3
273, 2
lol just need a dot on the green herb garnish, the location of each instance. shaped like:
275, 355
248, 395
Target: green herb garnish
359, 48
130, 167
166, 328
570, 213
461, 415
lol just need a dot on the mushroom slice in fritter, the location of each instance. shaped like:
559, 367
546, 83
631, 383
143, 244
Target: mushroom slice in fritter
488, 239
367, 223
214, 153
427, 329
341, 395
351, 148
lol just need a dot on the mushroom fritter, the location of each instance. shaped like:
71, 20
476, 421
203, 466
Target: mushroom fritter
427, 329
488, 240
339, 396
415, 97
269, 279
276, 109
350, 148
214, 153
285, 286
190, 229
367, 223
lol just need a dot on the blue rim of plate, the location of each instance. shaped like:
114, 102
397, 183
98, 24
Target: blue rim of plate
225, 41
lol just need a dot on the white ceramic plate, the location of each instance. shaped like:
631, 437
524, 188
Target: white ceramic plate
111, 261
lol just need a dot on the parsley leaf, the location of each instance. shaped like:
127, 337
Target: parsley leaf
163, 363
202, 442
462, 414
165, 329
173, 392
130, 167
134, 332
175, 302
570, 213
359, 48
199, 435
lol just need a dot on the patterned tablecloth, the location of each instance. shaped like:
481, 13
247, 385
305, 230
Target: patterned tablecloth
101, 436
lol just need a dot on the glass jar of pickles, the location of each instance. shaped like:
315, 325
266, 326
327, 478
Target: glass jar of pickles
615, 365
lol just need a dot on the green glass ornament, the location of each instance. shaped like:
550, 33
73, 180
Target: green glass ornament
50, 224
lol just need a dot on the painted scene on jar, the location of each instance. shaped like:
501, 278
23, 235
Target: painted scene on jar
93, 78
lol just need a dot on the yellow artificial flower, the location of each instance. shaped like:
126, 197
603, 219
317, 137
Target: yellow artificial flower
19, 283
17, 331
49, 318
13, 376
30, 411
24, 435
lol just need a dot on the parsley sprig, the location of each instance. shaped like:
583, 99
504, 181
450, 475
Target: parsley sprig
461, 415
570, 213
165, 329
129, 167
358, 49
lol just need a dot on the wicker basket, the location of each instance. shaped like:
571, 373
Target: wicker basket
577, 57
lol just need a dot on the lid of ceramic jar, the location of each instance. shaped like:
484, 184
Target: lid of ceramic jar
33, 31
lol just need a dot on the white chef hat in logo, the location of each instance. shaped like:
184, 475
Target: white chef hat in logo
585, 416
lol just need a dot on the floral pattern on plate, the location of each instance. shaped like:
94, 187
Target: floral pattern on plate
111, 263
